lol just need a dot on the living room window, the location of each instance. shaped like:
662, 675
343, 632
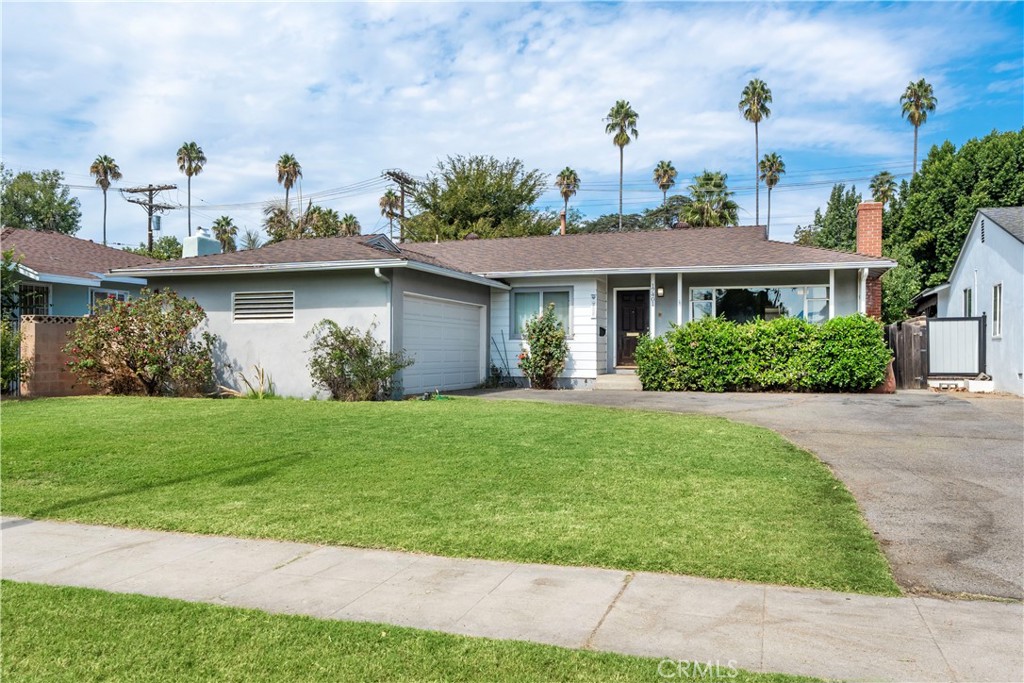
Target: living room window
97, 295
530, 303
741, 304
34, 299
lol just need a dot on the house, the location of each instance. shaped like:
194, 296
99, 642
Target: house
988, 280
63, 275
458, 307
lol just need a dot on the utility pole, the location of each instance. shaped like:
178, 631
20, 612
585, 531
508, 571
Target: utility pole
149, 205
404, 181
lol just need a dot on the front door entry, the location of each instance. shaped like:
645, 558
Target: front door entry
633, 313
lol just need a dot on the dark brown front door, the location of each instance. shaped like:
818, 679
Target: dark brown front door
632, 311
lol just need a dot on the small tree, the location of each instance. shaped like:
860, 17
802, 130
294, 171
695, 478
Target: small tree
149, 345
543, 359
352, 365
12, 365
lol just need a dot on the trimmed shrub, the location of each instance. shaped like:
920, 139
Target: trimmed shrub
785, 354
352, 365
12, 365
542, 360
150, 345
850, 355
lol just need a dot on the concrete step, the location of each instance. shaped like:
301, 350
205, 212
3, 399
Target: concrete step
618, 382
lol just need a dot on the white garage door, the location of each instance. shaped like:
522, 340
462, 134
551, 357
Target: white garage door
444, 338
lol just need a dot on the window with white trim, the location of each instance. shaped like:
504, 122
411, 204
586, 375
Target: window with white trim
34, 299
968, 302
276, 306
997, 310
97, 295
530, 303
740, 304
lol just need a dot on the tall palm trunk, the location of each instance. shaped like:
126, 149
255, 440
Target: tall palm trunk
286, 199
620, 188
190, 206
664, 197
104, 216
757, 178
768, 228
915, 152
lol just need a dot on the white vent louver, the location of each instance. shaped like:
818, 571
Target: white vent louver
266, 306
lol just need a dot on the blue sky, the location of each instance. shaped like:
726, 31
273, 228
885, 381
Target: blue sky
353, 89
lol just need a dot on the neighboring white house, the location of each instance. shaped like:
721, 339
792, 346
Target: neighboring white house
988, 280
458, 307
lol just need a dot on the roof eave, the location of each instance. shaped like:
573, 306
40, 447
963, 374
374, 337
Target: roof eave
884, 264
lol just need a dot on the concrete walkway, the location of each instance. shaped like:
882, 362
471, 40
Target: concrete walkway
940, 477
752, 626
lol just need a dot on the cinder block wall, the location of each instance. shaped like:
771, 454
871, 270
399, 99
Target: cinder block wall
43, 338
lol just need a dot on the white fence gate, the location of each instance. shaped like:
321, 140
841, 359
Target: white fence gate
956, 347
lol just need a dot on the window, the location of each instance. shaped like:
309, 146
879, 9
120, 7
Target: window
97, 295
34, 299
997, 310
530, 303
740, 304
263, 306
968, 302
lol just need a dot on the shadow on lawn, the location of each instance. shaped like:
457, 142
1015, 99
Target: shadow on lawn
248, 473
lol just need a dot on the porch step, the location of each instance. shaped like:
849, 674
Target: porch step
618, 382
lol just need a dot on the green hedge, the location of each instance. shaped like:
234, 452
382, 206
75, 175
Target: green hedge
785, 354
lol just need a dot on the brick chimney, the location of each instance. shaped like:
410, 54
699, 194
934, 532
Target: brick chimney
869, 243
869, 228
561, 231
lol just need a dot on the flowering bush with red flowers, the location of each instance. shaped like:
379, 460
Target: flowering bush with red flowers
151, 345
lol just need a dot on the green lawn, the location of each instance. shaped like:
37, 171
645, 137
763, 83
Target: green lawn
532, 482
78, 634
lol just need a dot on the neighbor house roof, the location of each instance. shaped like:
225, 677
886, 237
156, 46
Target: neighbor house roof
692, 249
1009, 218
55, 257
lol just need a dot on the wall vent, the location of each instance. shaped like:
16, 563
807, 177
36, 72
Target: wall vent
982, 230
263, 306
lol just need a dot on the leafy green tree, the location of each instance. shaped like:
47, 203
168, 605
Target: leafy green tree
12, 365
631, 222
568, 182
671, 212
38, 201
167, 248
190, 162
837, 227
105, 170
711, 203
10, 284
754, 106
665, 177
481, 195
390, 208
917, 101
621, 125
225, 230
279, 223
901, 284
883, 187
288, 172
772, 169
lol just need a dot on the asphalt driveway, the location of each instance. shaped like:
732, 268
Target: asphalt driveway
940, 477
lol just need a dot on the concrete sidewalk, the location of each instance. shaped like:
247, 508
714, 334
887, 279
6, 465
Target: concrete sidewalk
756, 627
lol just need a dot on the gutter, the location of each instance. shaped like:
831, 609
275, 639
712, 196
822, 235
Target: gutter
883, 263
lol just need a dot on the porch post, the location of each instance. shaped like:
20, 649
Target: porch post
862, 291
831, 293
653, 327
679, 299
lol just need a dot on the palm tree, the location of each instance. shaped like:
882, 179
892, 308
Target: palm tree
917, 100
772, 168
190, 162
390, 204
288, 171
568, 182
754, 105
621, 124
711, 203
251, 239
350, 225
105, 170
664, 178
224, 230
883, 188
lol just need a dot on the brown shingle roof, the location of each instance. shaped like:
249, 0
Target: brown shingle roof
53, 253
668, 249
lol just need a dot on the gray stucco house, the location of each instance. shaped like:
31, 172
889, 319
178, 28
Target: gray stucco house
988, 280
452, 305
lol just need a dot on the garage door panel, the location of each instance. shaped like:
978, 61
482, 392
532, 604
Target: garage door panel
444, 340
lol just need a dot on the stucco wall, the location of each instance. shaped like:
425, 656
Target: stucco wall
1000, 259
353, 298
